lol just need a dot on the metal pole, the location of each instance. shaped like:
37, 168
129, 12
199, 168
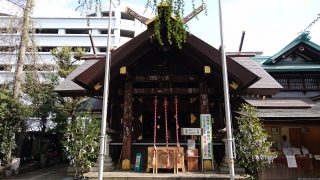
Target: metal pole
226, 100
105, 100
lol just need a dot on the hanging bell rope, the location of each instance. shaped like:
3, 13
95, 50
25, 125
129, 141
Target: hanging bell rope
177, 128
155, 131
167, 137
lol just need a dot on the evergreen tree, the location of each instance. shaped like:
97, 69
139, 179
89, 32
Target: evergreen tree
252, 142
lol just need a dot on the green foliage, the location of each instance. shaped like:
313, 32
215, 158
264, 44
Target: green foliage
80, 128
64, 60
12, 115
174, 28
170, 16
43, 98
66, 106
81, 141
252, 145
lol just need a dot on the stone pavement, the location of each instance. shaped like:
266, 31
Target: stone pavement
56, 172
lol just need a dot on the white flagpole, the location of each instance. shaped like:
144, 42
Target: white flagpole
105, 100
226, 100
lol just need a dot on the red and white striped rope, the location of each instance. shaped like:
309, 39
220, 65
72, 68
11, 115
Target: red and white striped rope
167, 137
155, 129
177, 128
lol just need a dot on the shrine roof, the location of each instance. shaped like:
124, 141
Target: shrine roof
313, 112
266, 85
299, 55
132, 50
69, 88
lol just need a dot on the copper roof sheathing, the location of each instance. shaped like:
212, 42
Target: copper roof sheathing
67, 87
284, 103
266, 85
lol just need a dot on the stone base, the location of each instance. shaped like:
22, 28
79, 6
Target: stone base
105, 169
224, 167
108, 166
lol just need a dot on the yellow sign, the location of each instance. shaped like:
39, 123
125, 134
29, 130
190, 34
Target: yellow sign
126, 164
207, 165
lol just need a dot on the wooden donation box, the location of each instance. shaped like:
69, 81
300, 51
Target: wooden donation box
192, 160
161, 159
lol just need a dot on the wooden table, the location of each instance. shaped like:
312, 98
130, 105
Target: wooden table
279, 169
302, 162
161, 159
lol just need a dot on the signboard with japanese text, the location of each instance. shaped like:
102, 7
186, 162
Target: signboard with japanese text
206, 138
292, 163
191, 131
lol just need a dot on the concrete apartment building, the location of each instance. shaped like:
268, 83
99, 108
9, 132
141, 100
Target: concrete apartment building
56, 32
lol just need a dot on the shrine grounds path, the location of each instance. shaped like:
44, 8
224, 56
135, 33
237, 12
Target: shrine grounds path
58, 172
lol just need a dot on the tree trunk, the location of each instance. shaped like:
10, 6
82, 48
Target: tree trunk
22, 49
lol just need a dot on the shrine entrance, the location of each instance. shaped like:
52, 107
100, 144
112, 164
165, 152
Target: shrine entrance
147, 117
164, 135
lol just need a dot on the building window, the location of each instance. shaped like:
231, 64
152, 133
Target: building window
102, 31
46, 31
106, 14
304, 82
77, 49
126, 16
8, 31
77, 31
6, 49
39, 67
5, 67
45, 49
126, 33
102, 49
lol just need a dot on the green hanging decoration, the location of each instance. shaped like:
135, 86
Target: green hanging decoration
170, 14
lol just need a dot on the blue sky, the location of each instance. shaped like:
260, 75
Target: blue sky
269, 24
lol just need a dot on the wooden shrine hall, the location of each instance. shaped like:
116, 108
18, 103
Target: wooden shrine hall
172, 86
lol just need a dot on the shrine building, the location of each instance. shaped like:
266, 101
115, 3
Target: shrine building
180, 89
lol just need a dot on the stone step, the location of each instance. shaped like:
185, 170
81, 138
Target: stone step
124, 175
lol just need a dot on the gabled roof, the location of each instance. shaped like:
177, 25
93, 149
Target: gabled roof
298, 44
201, 52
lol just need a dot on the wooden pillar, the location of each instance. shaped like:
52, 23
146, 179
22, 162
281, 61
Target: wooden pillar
127, 126
204, 102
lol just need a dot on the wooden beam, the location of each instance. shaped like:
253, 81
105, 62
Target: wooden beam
194, 13
204, 100
159, 91
155, 78
142, 19
127, 126
166, 91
